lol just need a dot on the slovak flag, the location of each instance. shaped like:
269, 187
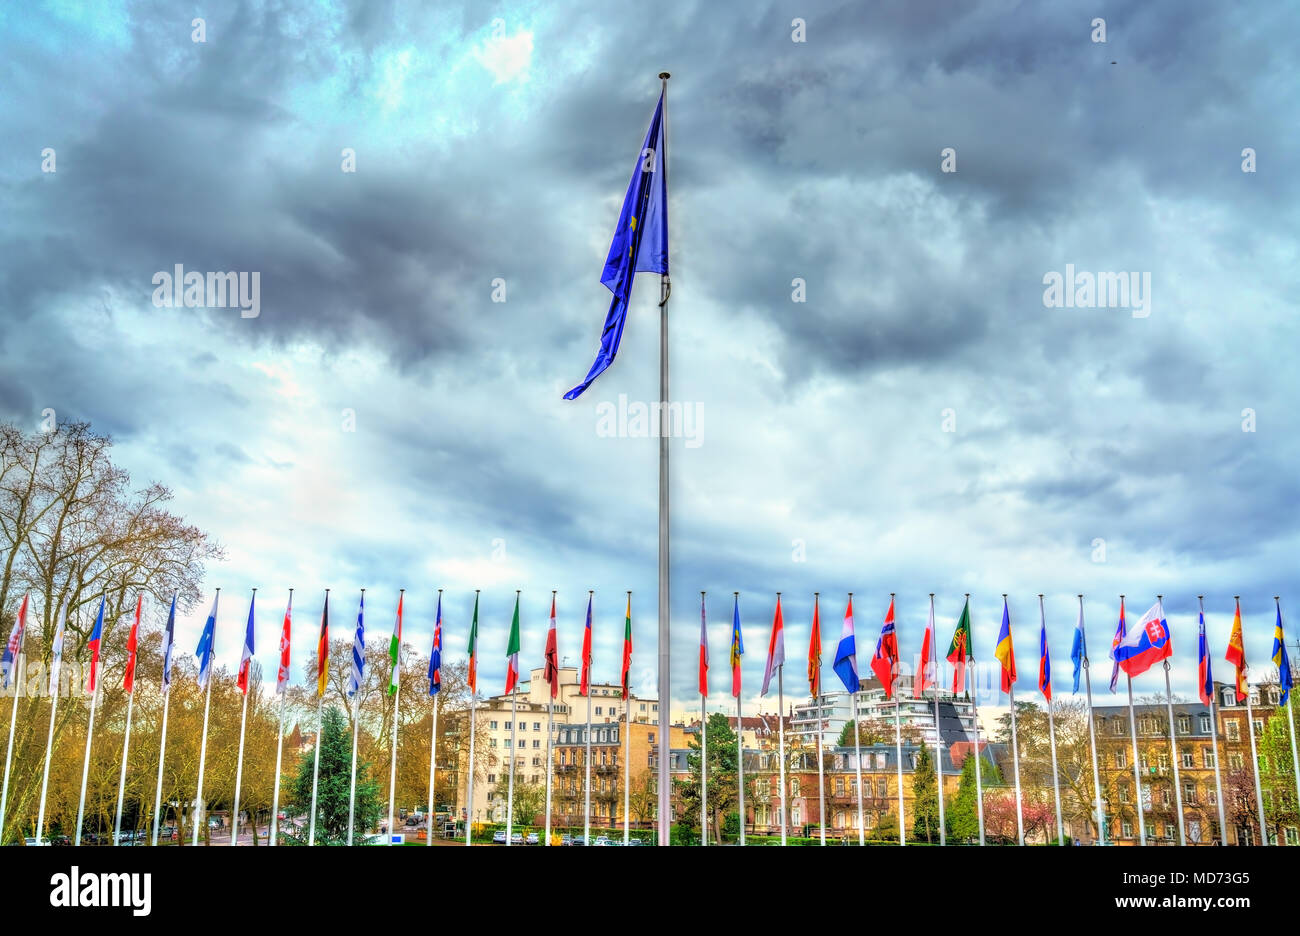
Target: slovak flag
1205, 671
1146, 644
282, 677
246, 655
93, 645
775, 647
846, 654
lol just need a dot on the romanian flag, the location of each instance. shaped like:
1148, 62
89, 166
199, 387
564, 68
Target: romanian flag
551, 672
1044, 658
884, 662
472, 676
1005, 652
512, 651
1236, 654
93, 646
128, 677
323, 648
395, 646
1280, 657
959, 650
737, 649
815, 652
585, 686
704, 651
627, 644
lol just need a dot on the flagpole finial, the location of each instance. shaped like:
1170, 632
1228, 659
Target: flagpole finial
1004, 596
1277, 597
218, 588
665, 75
967, 594
1121, 596
403, 590
1160, 597
1040, 594
255, 590
850, 594
737, 594
1200, 597
1234, 597
517, 591
591, 591
552, 592
701, 592
778, 594
476, 591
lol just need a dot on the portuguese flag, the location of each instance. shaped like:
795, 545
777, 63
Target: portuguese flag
959, 650
472, 677
512, 652
395, 646
627, 643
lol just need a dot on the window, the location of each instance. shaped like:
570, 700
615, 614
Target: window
1121, 759
1254, 697
536, 744
839, 786
1123, 793
508, 726
1189, 759
1233, 730
882, 789
1184, 724
562, 761
598, 712
507, 742
1126, 829
1164, 796
643, 706
537, 726
1273, 697
1292, 836
1236, 762
492, 725
492, 778
794, 789
1163, 760
1259, 727
492, 742
1207, 759
1205, 724
1189, 791
1117, 725
1229, 697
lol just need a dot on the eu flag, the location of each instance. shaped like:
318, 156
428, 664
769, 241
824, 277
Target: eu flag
640, 242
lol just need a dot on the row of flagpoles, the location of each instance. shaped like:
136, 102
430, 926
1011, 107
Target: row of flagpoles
1133, 652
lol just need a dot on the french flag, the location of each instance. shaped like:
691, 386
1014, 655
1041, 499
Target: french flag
1146, 644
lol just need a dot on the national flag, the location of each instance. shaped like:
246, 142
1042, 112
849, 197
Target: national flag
1121, 629
1146, 644
815, 652
551, 671
512, 651
435, 655
737, 648
884, 662
846, 654
358, 672
472, 676
1006, 651
1205, 680
1236, 655
168, 642
282, 676
704, 651
395, 647
1044, 659
132, 641
1077, 649
640, 242
56, 663
1280, 659
775, 647
627, 646
206, 644
926, 675
323, 649
93, 646
959, 650
584, 687
246, 655
14, 647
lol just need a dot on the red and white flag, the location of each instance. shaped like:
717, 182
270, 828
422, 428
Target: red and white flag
552, 671
128, 679
925, 673
282, 677
775, 647
704, 651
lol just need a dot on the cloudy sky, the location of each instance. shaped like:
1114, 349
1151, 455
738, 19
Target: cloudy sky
922, 422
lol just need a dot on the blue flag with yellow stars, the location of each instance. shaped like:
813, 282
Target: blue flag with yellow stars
640, 242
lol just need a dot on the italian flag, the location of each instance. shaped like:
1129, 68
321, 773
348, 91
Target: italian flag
959, 650
512, 651
395, 646
627, 643
472, 676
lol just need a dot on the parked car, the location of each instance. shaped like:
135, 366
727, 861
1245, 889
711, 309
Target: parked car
32, 841
499, 837
602, 840
532, 838
517, 838
636, 841
412, 820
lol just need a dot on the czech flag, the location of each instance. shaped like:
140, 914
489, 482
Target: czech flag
93, 645
884, 662
1146, 644
1206, 672
1006, 652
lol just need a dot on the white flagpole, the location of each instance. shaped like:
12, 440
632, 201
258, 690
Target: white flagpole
1092, 733
239, 763
817, 701
126, 746
780, 729
49, 740
938, 732
1173, 744
1137, 775
433, 772
279, 750
1051, 740
203, 756
1290, 717
1015, 752
352, 783
898, 745
740, 765
315, 774
969, 667
1254, 755
627, 767
665, 605
586, 783
85, 764
510, 788
857, 766
1214, 740
17, 675
469, 782
162, 759
550, 736
392, 764
704, 760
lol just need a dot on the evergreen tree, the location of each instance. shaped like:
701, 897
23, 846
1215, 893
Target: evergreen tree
925, 799
961, 813
335, 777
722, 783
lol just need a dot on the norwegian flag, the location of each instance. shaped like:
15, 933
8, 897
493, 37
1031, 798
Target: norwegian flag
282, 677
128, 679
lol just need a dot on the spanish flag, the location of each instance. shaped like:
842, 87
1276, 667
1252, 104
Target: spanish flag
323, 648
1005, 652
1236, 654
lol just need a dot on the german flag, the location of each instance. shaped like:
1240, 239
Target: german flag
323, 648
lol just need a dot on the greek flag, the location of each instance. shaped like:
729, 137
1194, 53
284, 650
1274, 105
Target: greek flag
358, 650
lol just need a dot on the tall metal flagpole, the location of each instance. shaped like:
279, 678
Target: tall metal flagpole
1254, 754
320, 698
740, 757
1051, 740
16, 673
279, 747
433, 763
203, 747
665, 683
780, 731
1214, 741
1015, 752
1137, 775
938, 732
1173, 744
1290, 715
550, 735
392, 764
586, 760
514, 724
1092, 733
704, 758
54, 706
979, 782
817, 700
239, 769
85, 764
857, 756
469, 781
898, 742
356, 704
627, 768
